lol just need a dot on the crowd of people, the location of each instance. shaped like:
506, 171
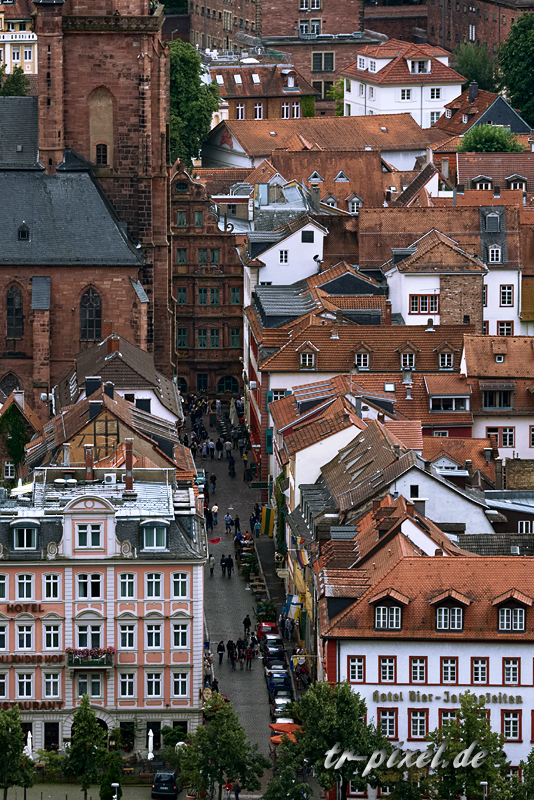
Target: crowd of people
243, 651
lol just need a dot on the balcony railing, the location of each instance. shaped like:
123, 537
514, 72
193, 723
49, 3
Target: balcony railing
90, 662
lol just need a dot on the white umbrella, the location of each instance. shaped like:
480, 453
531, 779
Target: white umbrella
28, 748
150, 745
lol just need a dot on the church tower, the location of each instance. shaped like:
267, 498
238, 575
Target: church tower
103, 92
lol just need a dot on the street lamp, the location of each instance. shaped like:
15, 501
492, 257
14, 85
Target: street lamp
484, 785
115, 786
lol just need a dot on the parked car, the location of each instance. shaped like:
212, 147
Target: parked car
165, 784
278, 667
280, 691
279, 679
270, 640
274, 652
279, 707
263, 628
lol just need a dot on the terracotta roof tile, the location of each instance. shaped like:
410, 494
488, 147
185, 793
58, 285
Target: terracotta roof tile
480, 354
497, 166
340, 415
461, 105
479, 579
397, 71
19, 9
332, 133
408, 432
270, 84
219, 181
462, 450
436, 252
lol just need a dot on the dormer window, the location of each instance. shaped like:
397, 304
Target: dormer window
408, 360
464, 118
448, 113
388, 617
419, 67
255, 78
449, 619
362, 360
482, 184
446, 361
372, 66
24, 233
492, 223
361, 62
307, 360
494, 254
154, 534
512, 619
25, 536
220, 80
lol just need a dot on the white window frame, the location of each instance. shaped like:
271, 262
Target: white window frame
450, 669
361, 90
418, 716
362, 360
417, 665
180, 680
4, 586
9, 466
480, 670
90, 532
388, 722
127, 634
29, 536
90, 679
372, 65
154, 579
28, 54
51, 633
494, 254
512, 619
435, 93
154, 635
356, 669
361, 62
286, 110
240, 111
24, 635
524, 526
15, 54
434, 116
446, 361
405, 95
307, 360
4, 636
283, 257
52, 581
90, 584
180, 633
4, 684
507, 294
354, 206
154, 680
511, 671
408, 360
511, 725
154, 536
126, 681
387, 669
258, 110
449, 619
127, 580
93, 629
51, 685
25, 679
182, 579
295, 109
22, 581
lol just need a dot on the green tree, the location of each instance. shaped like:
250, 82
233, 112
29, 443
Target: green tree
333, 717
516, 62
15, 84
112, 774
456, 736
16, 769
192, 103
489, 139
337, 93
475, 63
218, 751
14, 433
286, 785
87, 747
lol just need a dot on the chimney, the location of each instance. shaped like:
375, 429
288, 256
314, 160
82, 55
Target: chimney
66, 454
380, 417
89, 472
339, 316
498, 473
19, 398
388, 312
95, 407
473, 92
454, 196
496, 191
460, 189
334, 334
468, 466
129, 465
397, 451
438, 552
428, 466
410, 508
409, 391
488, 452
92, 384
430, 325
113, 343
376, 505
315, 198
107, 328
108, 389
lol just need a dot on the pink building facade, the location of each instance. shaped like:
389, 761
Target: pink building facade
101, 593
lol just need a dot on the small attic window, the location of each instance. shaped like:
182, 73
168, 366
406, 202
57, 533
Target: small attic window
181, 186
389, 387
238, 79
255, 78
464, 118
499, 359
315, 177
220, 80
448, 113
341, 177
24, 233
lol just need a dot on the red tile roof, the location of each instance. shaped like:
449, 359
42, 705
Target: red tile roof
460, 106
421, 578
397, 71
27, 412
338, 416
408, 432
497, 166
270, 84
462, 450
480, 352
436, 252
334, 133
19, 9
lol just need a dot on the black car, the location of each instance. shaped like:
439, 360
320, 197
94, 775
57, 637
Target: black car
165, 785
280, 690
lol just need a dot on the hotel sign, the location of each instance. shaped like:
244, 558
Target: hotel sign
416, 696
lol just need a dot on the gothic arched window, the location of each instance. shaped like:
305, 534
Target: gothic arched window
90, 316
15, 318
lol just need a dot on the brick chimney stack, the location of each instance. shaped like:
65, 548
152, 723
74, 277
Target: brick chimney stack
129, 465
113, 344
89, 471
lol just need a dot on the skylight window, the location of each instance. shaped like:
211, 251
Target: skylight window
220, 80
238, 79
255, 78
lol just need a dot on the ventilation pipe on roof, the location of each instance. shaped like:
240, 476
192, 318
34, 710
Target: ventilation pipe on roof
473, 92
409, 391
407, 377
89, 472
92, 384
496, 191
438, 552
315, 198
430, 325
498, 473
95, 407
108, 389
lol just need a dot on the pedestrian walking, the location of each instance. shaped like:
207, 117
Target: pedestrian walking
227, 786
193, 448
211, 448
222, 562
257, 529
241, 657
213, 482
241, 444
254, 645
215, 512
229, 566
257, 511
228, 521
235, 436
220, 650
231, 467
209, 519
237, 524
228, 448
211, 562
218, 407
252, 522
215, 685
248, 657
219, 447
231, 653
237, 789
204, 451
186, 440
246, 624
289, 629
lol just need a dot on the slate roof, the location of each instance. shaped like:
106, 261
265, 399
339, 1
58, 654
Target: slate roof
128, 368
19, 133
69, 219
397, 71
335, 133
483, 102
421, 578
497, 544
